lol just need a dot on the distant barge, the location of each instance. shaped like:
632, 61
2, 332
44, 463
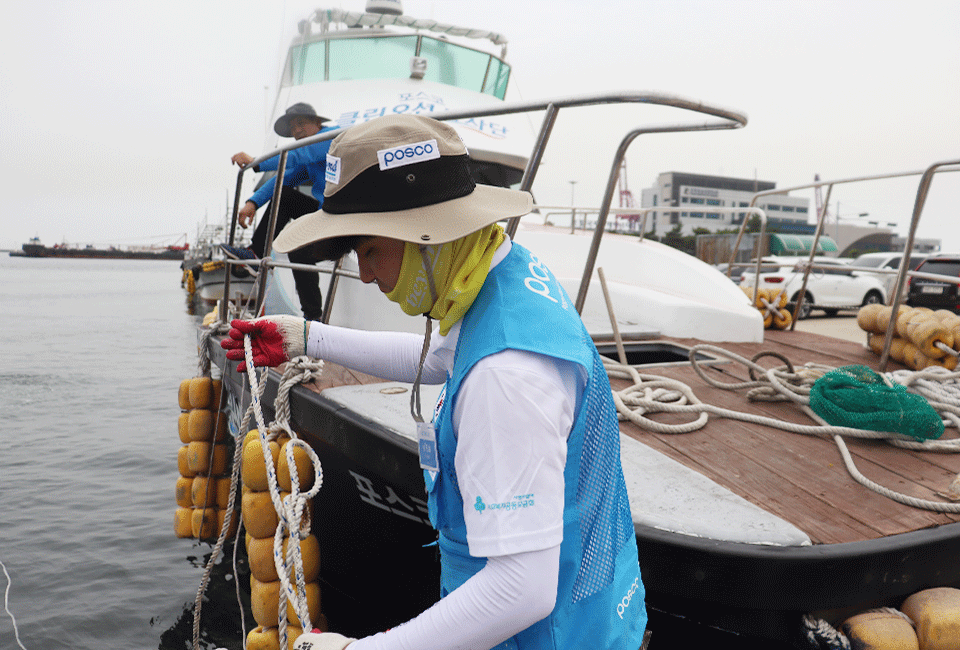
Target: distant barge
36, 249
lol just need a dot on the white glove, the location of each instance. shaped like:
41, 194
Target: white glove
321, 641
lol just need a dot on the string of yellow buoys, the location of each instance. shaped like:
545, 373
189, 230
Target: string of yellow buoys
772, 304
203, 489
922, 337
261, 521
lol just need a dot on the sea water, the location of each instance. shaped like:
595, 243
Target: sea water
92, 353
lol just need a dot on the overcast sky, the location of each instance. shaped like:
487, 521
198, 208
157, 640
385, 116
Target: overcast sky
118, 118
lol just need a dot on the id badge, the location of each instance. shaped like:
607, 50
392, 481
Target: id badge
427, 442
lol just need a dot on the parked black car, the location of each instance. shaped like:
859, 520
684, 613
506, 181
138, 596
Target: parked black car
932, 293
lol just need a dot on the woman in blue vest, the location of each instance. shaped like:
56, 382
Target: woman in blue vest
522, 458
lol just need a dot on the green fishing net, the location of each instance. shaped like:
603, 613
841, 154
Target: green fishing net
858, 397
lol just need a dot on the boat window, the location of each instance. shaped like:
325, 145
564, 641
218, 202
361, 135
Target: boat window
459, 66
388, 57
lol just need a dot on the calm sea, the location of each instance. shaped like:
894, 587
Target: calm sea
92, 356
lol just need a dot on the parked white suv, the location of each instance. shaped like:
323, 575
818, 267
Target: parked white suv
889, 262
831, 288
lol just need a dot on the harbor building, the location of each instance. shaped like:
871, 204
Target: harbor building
702, 194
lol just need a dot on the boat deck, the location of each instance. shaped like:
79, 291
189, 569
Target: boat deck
802, 478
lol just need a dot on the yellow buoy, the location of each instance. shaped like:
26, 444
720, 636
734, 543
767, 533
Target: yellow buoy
909, 352
263, 638
880, 630
182, 427
183, 522
204, 523
200, 460
783, 319
896, 349
767, 319
875, 342
263, 567
303, 464
184, 492
904, 319
203, 492
259, 516
867, 317
883, 318
936, 613
949, 362
260, 558
183, 463
310, 553
265, 602
254, 471
184, 395
200, 389
200, 425
928, 334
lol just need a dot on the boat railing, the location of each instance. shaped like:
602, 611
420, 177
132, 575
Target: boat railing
924, 186
726, 119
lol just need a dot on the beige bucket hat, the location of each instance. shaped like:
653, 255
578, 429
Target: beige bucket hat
405, 177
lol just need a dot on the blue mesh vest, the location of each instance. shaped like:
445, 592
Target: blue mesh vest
600, 598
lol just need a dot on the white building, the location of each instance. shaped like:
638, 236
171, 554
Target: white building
701, 194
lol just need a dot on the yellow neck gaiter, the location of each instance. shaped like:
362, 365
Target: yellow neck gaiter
459, 269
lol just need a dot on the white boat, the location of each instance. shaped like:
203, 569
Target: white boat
741, 529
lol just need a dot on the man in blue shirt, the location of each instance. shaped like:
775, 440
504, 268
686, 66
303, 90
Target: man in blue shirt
305, 166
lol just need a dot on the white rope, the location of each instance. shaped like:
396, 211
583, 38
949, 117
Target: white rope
654, 394
6, 604
290, 509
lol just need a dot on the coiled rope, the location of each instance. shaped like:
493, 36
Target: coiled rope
650, 394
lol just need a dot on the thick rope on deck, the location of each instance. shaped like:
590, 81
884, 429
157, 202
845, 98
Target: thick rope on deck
650, 394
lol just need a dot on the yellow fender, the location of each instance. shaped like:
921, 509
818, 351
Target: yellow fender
880, 630
936, 613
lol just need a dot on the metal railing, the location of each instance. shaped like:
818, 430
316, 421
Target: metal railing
728, 119
926, 178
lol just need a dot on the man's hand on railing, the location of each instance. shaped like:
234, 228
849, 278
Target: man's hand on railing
274, 339
247, 214
242, 159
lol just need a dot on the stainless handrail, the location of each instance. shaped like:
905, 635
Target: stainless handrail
922, 191
729, 119
820, 218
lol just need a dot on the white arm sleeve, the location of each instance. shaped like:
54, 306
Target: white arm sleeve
511, 593
391, 355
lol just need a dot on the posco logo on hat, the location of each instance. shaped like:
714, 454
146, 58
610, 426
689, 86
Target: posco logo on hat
333, 170
408, 154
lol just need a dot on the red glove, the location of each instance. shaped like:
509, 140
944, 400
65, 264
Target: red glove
274, 339
318, 640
